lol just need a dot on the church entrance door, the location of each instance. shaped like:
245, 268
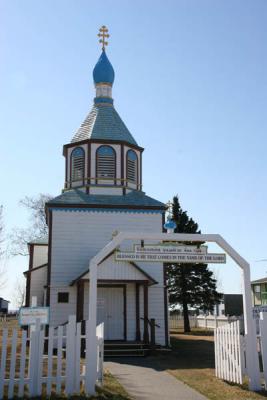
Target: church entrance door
110, 310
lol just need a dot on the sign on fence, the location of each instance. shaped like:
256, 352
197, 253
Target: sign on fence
29, 315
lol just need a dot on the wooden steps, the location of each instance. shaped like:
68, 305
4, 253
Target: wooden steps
125, 349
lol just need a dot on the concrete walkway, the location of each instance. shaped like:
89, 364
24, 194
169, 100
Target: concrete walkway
143, 382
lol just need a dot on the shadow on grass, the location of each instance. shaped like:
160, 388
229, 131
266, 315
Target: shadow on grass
184, 354
191, 360
194, 332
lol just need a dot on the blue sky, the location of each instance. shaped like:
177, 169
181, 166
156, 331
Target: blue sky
191, 85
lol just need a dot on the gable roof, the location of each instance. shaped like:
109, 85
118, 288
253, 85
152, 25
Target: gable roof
145, 276
29, 271
77, 197
103, 122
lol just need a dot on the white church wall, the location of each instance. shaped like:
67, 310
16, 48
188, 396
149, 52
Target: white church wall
153, 269
38, 280
131, 311
141, 309
78, 236
40, 255
59, 312
110, 269
156, 310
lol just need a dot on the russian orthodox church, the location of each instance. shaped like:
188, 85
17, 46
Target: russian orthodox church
102, 195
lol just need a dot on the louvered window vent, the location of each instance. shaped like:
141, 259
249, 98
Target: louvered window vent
77, 164
132, 166
106, 162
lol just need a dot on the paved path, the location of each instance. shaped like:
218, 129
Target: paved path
143, 382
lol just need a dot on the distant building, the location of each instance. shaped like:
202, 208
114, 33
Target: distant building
259, 292
231, 304
3, 306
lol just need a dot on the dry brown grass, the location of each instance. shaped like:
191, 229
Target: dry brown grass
10, 323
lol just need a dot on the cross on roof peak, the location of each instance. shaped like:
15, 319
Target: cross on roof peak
103, 34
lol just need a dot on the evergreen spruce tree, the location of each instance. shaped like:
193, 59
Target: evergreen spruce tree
190, 285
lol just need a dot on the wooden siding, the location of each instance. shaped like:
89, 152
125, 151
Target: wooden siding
60, 312
40, 255
38, 280
155, 310
131, 310
110, 269
78, 236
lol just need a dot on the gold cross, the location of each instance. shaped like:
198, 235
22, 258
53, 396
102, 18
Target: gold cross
103, 34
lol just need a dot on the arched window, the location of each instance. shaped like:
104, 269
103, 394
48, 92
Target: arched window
105, 162
77, 164
131, 165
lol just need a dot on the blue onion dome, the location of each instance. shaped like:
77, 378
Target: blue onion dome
170, 224
103, 71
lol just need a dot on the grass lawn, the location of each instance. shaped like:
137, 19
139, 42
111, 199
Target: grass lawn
192, 361
111, 390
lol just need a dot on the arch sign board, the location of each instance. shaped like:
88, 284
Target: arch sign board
186, 254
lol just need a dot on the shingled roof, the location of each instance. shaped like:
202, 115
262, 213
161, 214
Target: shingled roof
134, 199
103, 122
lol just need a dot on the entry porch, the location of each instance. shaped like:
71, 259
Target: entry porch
122, 304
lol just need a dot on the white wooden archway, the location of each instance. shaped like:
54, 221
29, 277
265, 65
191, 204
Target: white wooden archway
250, 329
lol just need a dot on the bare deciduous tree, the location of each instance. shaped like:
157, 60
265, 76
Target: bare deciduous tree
19, 294
37, 224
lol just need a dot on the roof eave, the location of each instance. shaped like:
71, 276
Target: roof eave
84, 141
107, 206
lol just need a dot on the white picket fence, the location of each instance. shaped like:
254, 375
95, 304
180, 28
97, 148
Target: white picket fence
42, 364
202, 321
229, 350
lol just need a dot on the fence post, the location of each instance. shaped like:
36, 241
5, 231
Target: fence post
91, 339
215, 321
100, 349
34, 359
71, 356
206, 323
